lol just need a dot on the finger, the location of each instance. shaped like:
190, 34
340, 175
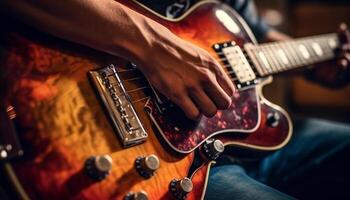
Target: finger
344, 35
347, 56
345, 47
221, 99
223, 79
187, 106
343, 63
344, 60
204, 103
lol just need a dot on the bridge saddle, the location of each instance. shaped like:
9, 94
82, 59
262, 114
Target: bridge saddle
117, 102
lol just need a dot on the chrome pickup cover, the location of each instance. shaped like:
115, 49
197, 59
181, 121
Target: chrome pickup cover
118, 105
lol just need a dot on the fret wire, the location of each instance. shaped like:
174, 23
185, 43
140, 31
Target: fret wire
281, 65
286, 60
276, 60
273, 58
263, 49
295, 46
292, 50
288, 54
316, 57
286, 66
310, 59
312, 52
324, 49
328, 53
265, 68
253, 58
327, 46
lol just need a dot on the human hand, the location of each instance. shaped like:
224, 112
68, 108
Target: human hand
186, 74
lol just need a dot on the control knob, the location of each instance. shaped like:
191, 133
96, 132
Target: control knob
273, 119
98, 167
213, 148
146, 166
142, 195
180, 188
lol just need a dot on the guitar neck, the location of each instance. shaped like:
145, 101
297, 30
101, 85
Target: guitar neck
275, 57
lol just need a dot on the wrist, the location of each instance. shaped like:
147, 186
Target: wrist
136, 36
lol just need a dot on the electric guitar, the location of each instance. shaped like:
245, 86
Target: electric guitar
92, 127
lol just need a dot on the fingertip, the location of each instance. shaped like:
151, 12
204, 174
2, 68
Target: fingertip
343, 26
194, 116
343, 63
225, 105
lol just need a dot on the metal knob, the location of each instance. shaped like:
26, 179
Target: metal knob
213, 148
273, 119
180, 188
146, 166
142, 195
98, 167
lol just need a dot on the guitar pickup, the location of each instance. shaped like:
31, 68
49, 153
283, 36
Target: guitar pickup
117, 102
239, 69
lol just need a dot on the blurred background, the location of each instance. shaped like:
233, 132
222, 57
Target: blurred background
302, 18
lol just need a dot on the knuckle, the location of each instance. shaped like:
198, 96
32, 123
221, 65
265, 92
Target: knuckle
193, 87
175, 95
206, 75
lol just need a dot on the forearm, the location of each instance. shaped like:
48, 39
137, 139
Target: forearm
104, 24
183, 72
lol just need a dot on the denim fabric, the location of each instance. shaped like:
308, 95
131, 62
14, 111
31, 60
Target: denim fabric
314, 165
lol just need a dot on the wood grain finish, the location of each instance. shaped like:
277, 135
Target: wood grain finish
61, 122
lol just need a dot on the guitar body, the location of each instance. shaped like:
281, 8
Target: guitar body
61, 122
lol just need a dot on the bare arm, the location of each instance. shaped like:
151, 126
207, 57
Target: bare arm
186, 74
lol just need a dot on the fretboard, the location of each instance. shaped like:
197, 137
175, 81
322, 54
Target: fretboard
272, 58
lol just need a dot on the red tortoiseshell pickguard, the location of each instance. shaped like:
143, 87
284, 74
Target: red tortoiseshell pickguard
184, 135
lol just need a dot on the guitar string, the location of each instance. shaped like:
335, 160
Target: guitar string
145, 87
221, 59
140, 99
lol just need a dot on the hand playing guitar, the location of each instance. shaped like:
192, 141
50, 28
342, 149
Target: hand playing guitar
336, 73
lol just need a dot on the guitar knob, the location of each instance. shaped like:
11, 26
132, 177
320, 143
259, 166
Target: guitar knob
273, 119
142, 195
98, 167
213, 148
146, 166
180, 188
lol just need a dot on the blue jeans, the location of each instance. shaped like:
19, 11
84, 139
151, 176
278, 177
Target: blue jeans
315, 164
